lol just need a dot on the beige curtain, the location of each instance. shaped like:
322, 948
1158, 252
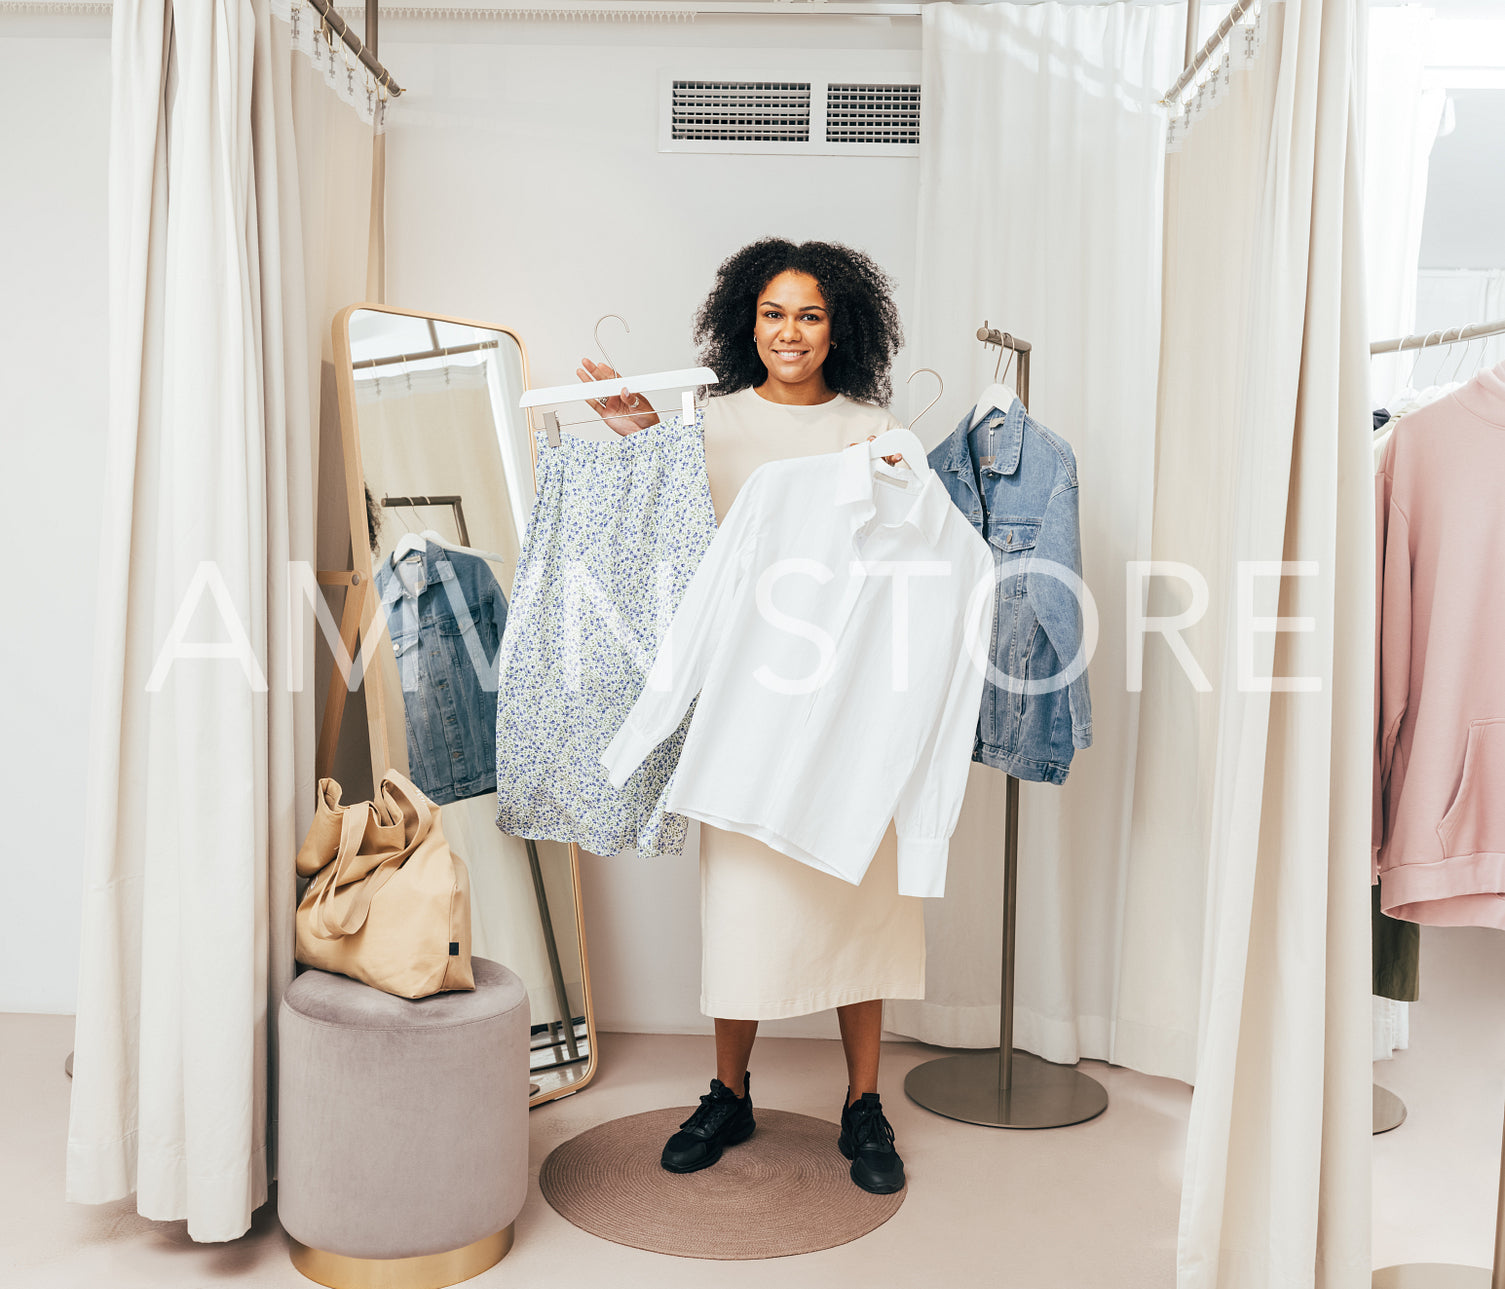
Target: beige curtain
200, 765
1251, 806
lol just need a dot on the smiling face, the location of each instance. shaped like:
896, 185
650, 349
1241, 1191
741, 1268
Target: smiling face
792, 329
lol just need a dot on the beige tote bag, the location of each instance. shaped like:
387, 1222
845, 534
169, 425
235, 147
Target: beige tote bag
389, 903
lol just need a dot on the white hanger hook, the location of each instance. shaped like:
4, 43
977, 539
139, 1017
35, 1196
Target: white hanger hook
1462, 355
1425, 341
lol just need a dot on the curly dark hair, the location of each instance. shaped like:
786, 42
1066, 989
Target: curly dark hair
865, 328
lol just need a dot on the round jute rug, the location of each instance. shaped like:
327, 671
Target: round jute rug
784, 1190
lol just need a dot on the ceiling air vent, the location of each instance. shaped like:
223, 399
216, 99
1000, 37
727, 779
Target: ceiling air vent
873, 113
868, 114
741, 111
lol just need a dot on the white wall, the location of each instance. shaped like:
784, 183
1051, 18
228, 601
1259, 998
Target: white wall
525, 188
1464, 227
53, 149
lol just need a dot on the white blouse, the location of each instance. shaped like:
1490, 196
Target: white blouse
836, 634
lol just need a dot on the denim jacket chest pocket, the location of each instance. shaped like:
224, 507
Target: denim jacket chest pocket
1011, 541
453, 626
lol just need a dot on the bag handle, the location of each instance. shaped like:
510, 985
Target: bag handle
333, 916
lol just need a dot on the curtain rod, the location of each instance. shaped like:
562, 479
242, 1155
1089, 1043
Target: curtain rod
1447, 336
1204, 55
356, 45
563, 10
656, 10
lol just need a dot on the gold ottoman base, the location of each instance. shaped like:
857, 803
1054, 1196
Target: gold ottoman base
432, 1271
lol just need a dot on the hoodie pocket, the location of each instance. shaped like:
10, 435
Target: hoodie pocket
1475, 821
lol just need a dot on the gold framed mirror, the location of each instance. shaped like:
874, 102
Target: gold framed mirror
439, 480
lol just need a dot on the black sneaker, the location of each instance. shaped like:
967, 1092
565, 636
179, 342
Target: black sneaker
867, 1139
723, 1120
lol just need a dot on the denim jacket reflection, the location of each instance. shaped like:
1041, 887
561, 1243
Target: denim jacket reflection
1020, 493
445, 613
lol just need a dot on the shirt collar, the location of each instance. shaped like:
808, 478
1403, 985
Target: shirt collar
436, 565
854, 492
1008, 427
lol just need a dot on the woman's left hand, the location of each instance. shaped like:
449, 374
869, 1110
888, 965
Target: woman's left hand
617, 409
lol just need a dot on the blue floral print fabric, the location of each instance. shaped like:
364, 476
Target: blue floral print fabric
617, 529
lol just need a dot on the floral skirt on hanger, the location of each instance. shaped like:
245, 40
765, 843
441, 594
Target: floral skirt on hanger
617, 529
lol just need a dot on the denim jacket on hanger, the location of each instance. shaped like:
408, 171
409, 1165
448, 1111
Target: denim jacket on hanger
446, 633
1035, 712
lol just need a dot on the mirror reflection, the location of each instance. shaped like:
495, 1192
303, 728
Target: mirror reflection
448, 468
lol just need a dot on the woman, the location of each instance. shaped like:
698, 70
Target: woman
802, 338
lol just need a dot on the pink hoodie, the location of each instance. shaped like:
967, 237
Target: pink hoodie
1439, 781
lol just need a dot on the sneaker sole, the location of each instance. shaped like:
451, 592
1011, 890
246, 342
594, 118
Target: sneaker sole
706, 1163
873, 1190
848, 1153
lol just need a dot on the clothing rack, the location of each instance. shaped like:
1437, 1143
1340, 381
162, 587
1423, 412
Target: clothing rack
993, 336
1007, 1089
1429, 1275
453, 501
1447, 336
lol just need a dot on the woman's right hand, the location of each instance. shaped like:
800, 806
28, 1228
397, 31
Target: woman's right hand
616, 410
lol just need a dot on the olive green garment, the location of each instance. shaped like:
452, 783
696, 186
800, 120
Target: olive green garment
1397, 954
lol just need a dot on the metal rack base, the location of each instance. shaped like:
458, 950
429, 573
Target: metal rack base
1042, 1095
1389, 1110
1432, 1275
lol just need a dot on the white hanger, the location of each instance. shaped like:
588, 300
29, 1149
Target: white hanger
905, 442
994, 398
997, 395
581, 391
901, 440
407, 544
688, 380
439, 540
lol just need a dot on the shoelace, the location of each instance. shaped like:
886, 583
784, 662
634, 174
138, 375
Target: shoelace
712, 1113
870, 1127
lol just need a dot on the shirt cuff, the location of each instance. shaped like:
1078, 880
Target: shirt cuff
624, 754
922, 866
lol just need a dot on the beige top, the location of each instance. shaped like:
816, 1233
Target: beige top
743, 430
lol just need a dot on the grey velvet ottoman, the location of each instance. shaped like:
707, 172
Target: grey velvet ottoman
402, 1155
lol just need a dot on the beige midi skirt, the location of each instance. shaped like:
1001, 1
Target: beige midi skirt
779, 938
